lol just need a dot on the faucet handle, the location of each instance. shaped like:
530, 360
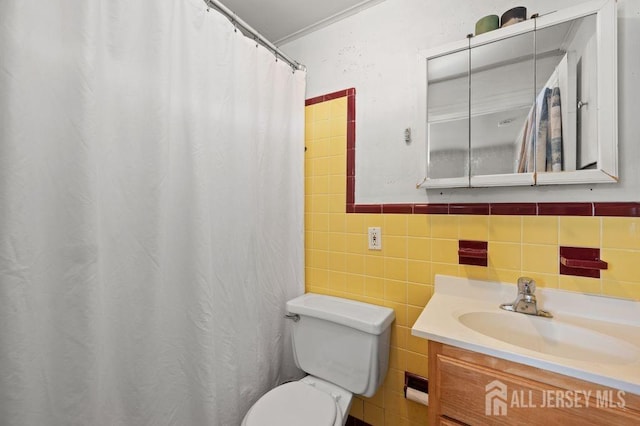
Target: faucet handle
526, 285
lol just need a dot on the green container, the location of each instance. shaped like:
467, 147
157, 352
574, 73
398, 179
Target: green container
488, 23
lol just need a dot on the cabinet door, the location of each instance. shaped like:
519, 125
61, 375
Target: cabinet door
448, 120
502, 125
576, 136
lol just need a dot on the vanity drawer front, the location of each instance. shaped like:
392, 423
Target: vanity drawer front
446, 421
462, 388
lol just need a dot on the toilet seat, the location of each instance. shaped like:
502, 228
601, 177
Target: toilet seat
294, 404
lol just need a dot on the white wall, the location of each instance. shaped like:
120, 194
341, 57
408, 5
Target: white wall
376, 50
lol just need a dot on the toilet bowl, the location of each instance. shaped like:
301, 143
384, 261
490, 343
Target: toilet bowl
344, 347
310, 401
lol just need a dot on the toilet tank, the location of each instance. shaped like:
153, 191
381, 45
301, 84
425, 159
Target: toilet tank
342, 341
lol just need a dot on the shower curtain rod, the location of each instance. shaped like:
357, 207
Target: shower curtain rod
246, 28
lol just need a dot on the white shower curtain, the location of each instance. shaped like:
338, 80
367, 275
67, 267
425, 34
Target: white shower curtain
151, 214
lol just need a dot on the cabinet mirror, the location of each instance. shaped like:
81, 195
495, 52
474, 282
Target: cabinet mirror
448, 129
502, 76
530, 104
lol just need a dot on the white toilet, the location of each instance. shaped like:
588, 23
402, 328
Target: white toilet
344, 346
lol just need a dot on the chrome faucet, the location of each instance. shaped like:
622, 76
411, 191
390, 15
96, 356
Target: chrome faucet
525, 302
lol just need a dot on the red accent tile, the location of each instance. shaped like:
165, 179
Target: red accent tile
617, 209
584, 261
312, 101
351, 189
469, 208
329, 96
351, 135
415, 381
472, 252
336, 95
472, 261
351, 108
351, 162
351, 208
368, 208
431, 209
397, 208
565, 209
517, 209
584, 264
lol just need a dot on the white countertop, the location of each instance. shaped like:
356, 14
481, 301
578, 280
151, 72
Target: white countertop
592, 338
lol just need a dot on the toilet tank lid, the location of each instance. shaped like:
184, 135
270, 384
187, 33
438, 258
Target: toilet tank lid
365, 317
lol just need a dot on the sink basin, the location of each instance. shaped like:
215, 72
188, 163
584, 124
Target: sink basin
551, 336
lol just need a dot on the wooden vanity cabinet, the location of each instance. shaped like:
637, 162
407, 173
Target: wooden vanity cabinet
461, 382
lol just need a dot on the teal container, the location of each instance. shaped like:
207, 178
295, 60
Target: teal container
488, 23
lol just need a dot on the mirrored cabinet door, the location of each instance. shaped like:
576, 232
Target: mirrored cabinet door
502, 115
567, 142
559, 48
448, 120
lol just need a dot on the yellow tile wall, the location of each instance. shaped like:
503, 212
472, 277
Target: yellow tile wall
417, 247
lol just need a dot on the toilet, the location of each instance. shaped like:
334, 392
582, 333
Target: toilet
343, 346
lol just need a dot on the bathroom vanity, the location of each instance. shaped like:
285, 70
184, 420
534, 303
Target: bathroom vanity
490, 366
458, 393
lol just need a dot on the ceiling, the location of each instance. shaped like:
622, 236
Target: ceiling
281, 21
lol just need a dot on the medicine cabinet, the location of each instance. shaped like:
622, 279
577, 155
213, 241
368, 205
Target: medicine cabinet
534, 103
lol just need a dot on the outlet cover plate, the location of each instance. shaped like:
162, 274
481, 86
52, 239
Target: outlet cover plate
375, 238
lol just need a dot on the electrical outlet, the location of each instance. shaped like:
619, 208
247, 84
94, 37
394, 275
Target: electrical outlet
375, 238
